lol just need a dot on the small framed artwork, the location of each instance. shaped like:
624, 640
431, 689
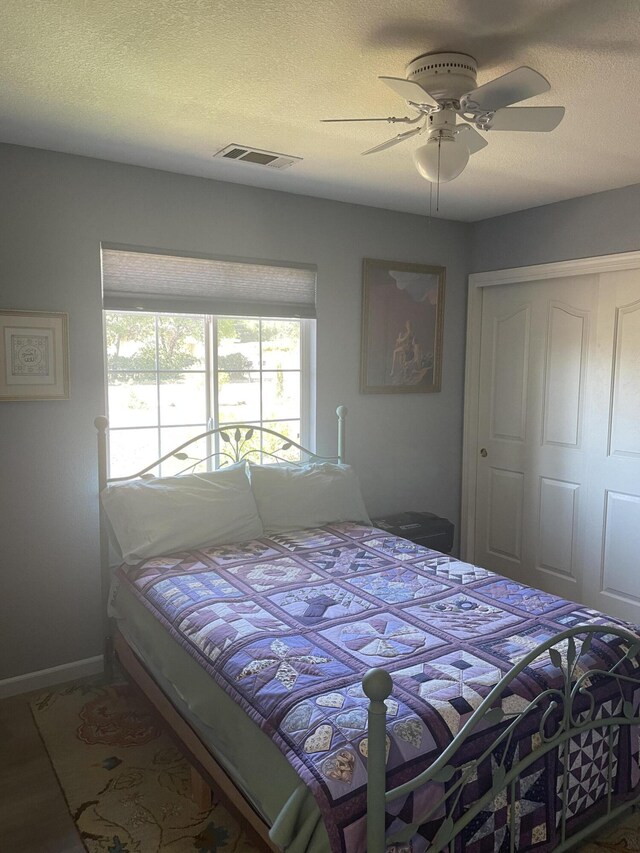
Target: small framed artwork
402, 320
34, 355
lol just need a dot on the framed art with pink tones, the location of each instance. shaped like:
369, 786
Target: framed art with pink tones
402, 320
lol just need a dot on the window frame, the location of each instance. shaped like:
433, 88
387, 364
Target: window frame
307, 389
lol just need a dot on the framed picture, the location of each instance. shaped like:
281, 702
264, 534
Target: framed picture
402, 320
34, 355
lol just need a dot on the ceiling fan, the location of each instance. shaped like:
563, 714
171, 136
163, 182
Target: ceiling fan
442, 86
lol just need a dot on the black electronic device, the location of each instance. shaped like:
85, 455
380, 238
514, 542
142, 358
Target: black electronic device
424, 528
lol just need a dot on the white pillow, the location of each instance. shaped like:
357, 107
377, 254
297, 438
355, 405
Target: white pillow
167, 514
291, 498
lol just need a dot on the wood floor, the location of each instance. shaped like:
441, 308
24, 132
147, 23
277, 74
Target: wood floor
33, 813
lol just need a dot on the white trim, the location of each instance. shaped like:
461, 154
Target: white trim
477, 281
47, 677
308, 382
470, 423
560, 269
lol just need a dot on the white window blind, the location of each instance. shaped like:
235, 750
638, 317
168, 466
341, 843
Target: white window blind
172, 283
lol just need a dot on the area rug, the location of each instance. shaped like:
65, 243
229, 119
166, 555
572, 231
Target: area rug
128, 787
624, 838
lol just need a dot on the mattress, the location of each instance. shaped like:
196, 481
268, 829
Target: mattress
279, 796
286, 627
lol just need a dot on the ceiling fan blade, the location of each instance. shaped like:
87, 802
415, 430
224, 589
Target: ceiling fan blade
474, 141
396, 139
540, 119
389, 119
409, 90
516, 85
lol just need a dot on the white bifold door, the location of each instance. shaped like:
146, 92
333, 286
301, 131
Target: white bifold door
558, 455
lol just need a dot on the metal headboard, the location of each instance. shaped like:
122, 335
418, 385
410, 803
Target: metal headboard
235, 447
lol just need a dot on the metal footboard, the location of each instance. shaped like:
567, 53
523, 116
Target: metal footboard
560, 714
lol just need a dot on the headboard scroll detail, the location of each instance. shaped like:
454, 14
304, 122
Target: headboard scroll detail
225, 445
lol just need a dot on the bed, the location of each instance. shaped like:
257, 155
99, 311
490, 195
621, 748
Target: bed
349, 691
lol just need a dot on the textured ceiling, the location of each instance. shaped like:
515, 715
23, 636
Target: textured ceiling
166, 83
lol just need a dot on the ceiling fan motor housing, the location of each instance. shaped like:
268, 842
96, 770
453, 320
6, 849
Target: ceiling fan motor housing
446, 76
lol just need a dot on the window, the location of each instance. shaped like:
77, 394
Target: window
197, 342
171, 376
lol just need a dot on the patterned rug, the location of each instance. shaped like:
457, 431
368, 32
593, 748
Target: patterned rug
625, 838
128, 787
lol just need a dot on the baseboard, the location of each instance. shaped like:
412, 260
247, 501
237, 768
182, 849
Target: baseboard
47, 677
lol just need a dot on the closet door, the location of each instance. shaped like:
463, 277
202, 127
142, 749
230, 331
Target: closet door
612, 536
531, 502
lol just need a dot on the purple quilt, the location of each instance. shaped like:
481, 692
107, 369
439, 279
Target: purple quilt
288, 625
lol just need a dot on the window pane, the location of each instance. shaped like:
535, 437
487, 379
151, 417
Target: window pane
271, 444
172, 437
281, 344
131, 340
238, 397
183, 398
132, 403
159, 375
130, 450
181, 342
238, 344
280, 394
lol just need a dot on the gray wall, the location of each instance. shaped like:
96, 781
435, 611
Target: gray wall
55, 210
599, 224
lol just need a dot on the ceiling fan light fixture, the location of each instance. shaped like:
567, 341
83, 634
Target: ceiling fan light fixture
442, 159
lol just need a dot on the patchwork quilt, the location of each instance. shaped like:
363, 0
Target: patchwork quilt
288, 625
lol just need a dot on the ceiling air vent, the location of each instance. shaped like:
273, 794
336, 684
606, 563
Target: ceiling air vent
256, 156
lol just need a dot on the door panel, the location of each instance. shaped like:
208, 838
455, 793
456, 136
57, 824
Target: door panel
558, 527
621, 538
565, 374
509, 379
625, 417
504, 520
